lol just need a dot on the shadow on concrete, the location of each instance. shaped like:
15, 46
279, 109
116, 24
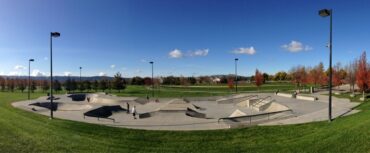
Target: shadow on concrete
47, 105
104, 111
78, 97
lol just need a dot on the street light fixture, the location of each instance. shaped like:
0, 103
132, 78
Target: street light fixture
236, 75
325, 13
152, 63
29, 77
55, 35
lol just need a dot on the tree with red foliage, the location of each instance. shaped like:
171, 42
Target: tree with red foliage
258, 77
362, 77
299, 75
230, 83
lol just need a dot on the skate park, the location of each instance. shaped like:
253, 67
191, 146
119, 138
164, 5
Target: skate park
190, 113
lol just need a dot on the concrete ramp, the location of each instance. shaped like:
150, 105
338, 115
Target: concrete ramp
177, 105
193, 113
237, 113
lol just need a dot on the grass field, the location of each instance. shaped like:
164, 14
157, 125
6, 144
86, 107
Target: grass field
22, 131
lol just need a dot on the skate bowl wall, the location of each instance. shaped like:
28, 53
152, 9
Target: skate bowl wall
104, 111
104, 99
62, 106
78, 97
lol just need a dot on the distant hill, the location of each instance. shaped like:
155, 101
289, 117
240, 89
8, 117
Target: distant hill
59, 78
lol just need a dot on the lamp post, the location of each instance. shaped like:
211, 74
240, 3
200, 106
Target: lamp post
325, 13
152, 63
236, 75
29, 77
80, 73
55, 35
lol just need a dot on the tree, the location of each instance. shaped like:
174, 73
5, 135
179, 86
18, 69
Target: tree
80, 86
33, 86
265, 77
73, 85
103, 85
258, 77
87, 85
45, 86
362, 77
299, 75
192, 80
2, 83
137, 81
95, 85
230, 82
118, 82
351, 69
11, 85
57, 86
280, 76
21, 84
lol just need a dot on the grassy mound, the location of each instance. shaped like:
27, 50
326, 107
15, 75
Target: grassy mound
22, 131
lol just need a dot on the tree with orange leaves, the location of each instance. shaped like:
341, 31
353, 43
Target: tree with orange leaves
258, 77
230, 83
362, 76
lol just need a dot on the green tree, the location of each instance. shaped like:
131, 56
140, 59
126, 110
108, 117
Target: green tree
95, 85
87, 85
57, 86
33, 86
103, 85
118, 82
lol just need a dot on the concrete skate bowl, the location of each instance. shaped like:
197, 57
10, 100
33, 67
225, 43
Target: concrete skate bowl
78, 97
248, 120
57, 106
235, 99
189, 112
176, 106
104, 99
105, 111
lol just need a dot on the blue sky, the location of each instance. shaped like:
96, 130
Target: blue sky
189, 37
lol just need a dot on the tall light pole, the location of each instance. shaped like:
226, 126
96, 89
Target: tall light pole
236, 75
29, 77
80, 73
325, 13
55, 35
152, 63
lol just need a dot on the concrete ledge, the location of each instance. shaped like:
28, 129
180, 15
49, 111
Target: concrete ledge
306, 98
285, 95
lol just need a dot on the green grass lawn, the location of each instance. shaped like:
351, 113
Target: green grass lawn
22, 131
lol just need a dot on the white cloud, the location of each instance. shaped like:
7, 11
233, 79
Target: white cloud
112, 66
137, 71
199, 52
143, 60
296, 46
124, 68
19, 67
102, 74
249, 51
37, 72
175, 53
46, 58
67, 74
14, 73
2, 73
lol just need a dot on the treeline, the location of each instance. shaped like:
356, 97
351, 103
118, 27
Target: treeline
356, 72
70, 85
